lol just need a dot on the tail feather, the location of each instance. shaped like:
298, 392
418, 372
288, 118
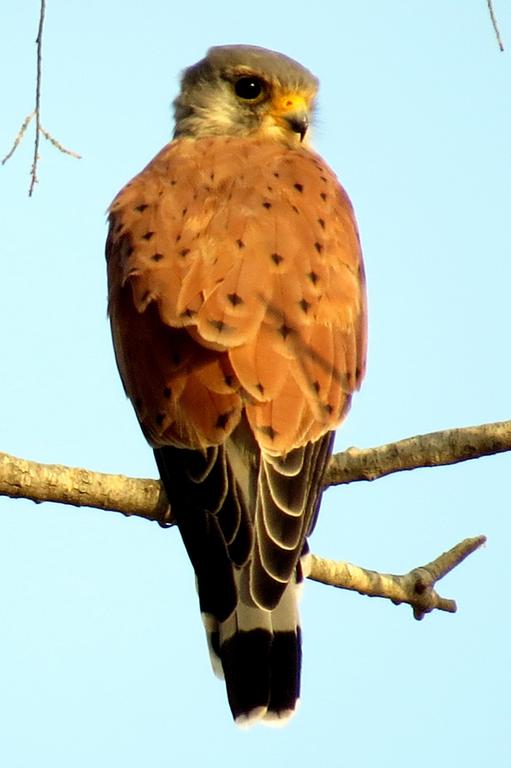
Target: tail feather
248, 684
243, 517
258, 653
286, 662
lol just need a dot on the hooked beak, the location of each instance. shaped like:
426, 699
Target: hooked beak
292, 110
298, 122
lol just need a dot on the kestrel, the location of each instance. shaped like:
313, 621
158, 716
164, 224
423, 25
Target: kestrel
237, 305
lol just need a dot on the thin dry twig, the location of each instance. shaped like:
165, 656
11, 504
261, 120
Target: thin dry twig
495, 24
19, 137
39, 44
37, 113
58, 145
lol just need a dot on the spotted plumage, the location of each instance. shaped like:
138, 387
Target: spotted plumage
237, 304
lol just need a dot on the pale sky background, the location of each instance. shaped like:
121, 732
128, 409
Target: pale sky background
103, 659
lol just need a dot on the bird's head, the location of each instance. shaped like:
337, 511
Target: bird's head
242, 90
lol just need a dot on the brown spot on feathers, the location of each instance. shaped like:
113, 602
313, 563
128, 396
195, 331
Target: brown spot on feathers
245, 277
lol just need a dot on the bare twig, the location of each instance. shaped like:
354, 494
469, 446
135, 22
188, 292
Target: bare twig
57, 144
415, 588
37, 113
19, 137
39, 44
495, 25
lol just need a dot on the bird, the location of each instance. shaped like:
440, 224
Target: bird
237, 304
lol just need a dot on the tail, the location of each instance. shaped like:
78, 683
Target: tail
258, 653
243, 521
256, 650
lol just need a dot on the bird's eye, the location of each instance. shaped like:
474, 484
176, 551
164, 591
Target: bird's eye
249, 88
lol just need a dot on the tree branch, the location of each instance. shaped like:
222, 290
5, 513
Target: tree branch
37, 113
24, 479
146, 498
20, 478
495, 24
415, 588
436, 449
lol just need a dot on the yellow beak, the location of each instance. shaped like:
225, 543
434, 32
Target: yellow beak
293, 110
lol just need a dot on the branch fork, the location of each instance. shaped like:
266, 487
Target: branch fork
416, 588
36, 114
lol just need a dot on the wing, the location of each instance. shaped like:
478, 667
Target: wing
236, 279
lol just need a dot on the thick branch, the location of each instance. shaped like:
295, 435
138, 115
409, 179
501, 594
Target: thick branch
20, 478
450, 446
24, 479
145, 498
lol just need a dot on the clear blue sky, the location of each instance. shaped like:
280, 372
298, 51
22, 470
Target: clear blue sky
103, 660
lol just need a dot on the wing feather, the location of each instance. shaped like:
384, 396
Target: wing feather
253, 248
